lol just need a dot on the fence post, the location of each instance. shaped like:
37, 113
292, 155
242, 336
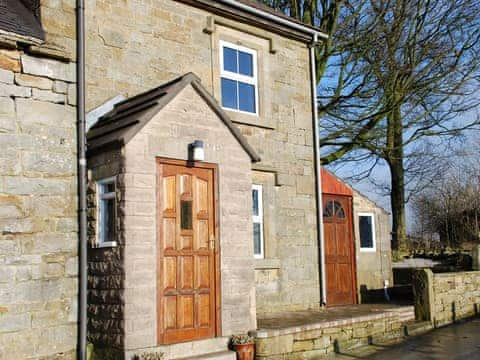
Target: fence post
476, 257
423, 295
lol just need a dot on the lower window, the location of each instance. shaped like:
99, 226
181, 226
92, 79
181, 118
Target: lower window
257, 217
366, 229
106, 212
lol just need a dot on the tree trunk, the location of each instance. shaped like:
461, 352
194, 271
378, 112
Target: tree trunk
397, 173
397, 201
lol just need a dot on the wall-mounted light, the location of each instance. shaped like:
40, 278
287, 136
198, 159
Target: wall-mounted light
196, 151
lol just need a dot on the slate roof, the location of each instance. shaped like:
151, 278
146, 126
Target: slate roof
128, 117
16, 18
263, 7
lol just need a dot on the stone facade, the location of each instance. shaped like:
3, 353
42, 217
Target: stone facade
445, 298
123, 279
165, 39
373, 267
38, 200
106, 275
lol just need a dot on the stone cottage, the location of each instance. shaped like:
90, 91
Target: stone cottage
186, 250
38, 195
203, 181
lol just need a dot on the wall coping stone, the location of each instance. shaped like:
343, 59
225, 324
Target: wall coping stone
455, 274
266, 333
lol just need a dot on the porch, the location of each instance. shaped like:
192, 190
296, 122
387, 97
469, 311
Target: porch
311, 334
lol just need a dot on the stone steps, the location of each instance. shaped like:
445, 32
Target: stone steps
220, 355
214, 348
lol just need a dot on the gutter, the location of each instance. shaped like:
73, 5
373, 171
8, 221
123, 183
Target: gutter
315, 33
82, 177
318, 177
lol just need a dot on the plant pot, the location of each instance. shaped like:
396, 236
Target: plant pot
245, 351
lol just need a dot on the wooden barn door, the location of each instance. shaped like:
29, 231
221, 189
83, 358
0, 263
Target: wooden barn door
339, 250
187, 266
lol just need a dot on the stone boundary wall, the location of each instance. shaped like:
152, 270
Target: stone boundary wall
38, 204
445, 298
315, 340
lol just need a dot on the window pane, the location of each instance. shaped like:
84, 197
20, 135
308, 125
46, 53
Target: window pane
246, 97
185, 215
255, 202
230, 60
257, 240
229, 93
366, 232
328, 211
245, 63
339, 212
107, 220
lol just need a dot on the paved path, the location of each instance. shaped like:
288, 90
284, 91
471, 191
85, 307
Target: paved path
455, 342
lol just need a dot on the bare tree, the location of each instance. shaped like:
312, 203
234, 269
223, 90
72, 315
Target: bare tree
449, 210
397, 82
418, 61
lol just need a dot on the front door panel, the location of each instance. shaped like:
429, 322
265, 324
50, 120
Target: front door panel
186, 276
339, 250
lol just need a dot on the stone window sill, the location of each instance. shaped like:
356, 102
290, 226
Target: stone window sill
253, 120
106, 244
265, 264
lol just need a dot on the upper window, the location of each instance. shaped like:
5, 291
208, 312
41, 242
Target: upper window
106, 212
257, 216
367, 231
239, 78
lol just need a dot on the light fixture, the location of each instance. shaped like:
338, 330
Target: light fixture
196, 151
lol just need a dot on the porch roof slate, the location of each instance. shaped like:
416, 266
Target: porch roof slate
16, 18
128, 117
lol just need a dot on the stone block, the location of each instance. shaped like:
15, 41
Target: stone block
60, 87
273, 346
33, 81
8, 61
52, 69
7, 107
14, 90
303, 345
6, 76
72, 94
322, 342
47, 95
30, 112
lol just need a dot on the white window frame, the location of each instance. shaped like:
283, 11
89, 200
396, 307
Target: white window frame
374, 241
105, 196
258, 219
251, 80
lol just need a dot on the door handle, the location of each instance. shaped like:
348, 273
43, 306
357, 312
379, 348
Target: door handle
212, 242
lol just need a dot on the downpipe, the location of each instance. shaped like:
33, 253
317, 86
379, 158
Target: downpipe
82, 186
318, 177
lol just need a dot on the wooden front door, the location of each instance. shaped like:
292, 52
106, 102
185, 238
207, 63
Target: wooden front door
187, 269
339, 250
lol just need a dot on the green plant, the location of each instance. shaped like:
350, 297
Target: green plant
242, 339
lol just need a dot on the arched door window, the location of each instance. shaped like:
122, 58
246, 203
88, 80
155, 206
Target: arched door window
333, 209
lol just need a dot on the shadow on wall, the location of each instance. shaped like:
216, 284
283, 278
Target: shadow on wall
398, 294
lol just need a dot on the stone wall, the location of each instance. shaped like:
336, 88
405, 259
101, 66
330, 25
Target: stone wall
106, 273
38, 202
445, 298
315, 340
165, 39
373, 267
